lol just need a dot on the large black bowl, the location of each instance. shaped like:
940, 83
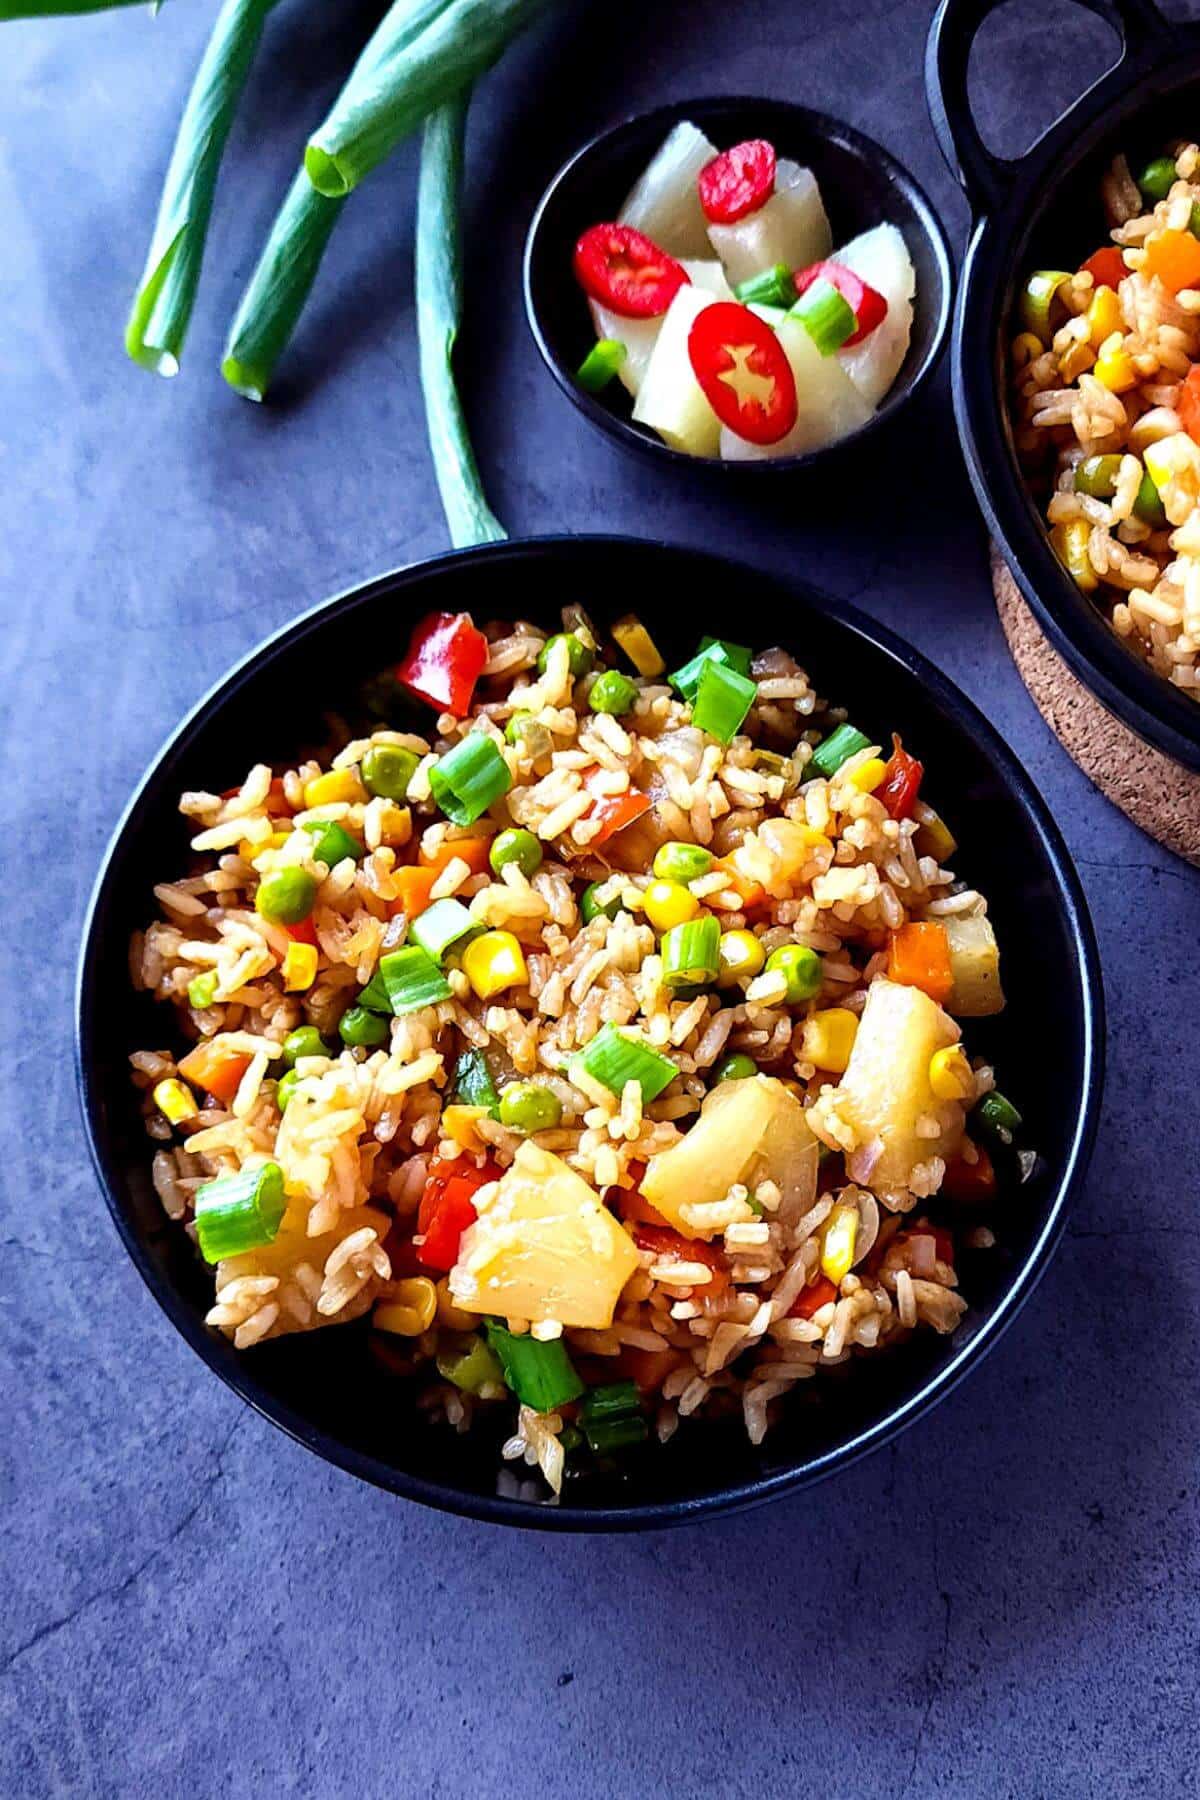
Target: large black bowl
1043, 211
861, 184
327, 1389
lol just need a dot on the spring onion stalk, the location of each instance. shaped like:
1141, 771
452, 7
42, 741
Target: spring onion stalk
402, 78
826, 315
614, 1057
438, 280
469, 778
773, 287
834, 750
375, 995
998, 1117
722, 701
239, 1212
686, 681
162, 306
600, 365
609, 1401
472, 1369
332, 843
541, 1375
412, 979
279, 287
47, 9
444, 923
738, 656
473, 1084
607, 1435
689, 953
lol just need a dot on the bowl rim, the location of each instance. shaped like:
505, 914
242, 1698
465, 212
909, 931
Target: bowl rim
631, 437
963, 714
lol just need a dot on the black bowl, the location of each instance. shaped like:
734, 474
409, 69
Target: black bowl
326, 1389
861, 184
1030, 214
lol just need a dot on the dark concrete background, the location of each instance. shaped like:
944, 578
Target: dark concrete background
1005, 1602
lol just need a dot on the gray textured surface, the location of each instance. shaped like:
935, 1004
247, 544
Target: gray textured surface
1004, 1603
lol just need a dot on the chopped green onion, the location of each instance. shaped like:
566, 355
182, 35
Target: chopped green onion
998, 1117
722, 701
202, 990
528, 1106
737, 1067
239, 1212
836, 749
682, 862
332, 843
609, 1401
570, 1437
826, 315
738, 656
516, 846
1148, 506
1157, 178
690, 956
362, 1029
600, 365
614, 1057
612, 692
590, 908
286, 897
473, 1084
412, 979
387, 770
1037, 300
686, 681
306, 1040
607, 1435
374, 995
440, 925
773, 287
472, 1368
541, 1375
580, 659
469, 778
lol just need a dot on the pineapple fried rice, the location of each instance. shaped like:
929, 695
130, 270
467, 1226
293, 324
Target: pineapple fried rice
601, 1043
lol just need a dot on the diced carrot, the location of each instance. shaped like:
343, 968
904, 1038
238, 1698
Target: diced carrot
1174, 256
811, 1299
277, 800
970, 1181
919, 956
1106, 266
415, 886
750, 893
215, 1070
471, 850
1188, 403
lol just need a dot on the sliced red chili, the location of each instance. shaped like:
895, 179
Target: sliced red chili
865, 302
901, 782
627, 272
445, 659
741, 366
738, 181
448, 1207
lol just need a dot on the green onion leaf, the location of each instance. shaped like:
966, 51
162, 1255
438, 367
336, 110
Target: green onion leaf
600, 365
279, 287
609, 1401
836, 749
826, 315
472, 1368
541, 1375
773, 287
998, 1118
722, 701
239, 1212
686, 681
607, 1435
689, 953
469, 778
614, 1057
332, 843
473, 1084
48, 9
162, 306
441, 925
738, 656
375, 996
412, 979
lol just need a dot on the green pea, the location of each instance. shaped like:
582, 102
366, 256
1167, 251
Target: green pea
285, 1088
527, 1106
1148, 506
286, 897
612, 692
515, 846
306, 1040
801, 966
202, 990
590, 908
1158, 178
1097, 476
360, 1028
682, 862
387, 770
579, 656
735, 1068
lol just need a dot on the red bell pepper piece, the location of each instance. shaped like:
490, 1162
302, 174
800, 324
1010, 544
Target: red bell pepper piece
445, 659
1105, 266
901, 782
670, 1245
738, 181
811, 1299
448, 1207
626, 271
865, 302
744, 372
303, 933
970, 1181
612, 812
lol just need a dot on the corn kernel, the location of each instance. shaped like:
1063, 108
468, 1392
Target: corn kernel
299, 968
1114, 365
494, 962
668, 903
458, 1122
1076, 361
838, 1240
451, 1316
339, 786
411, 1309
1070, 543
1104, 315
829, 1038
868, 775
1026, 348
175, 1101
740, 956
950, 1074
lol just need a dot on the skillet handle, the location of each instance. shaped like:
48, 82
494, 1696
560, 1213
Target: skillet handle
985, 177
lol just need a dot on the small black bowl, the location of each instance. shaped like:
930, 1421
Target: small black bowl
861, 184
328, 1389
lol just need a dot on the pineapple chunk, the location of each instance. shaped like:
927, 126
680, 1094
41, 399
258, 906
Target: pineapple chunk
883, 1112
289, 1248
975, 962
542, 1248
671, 400
748, 1131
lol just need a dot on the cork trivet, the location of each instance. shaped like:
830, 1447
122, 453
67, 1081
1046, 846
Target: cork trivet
1159, 795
